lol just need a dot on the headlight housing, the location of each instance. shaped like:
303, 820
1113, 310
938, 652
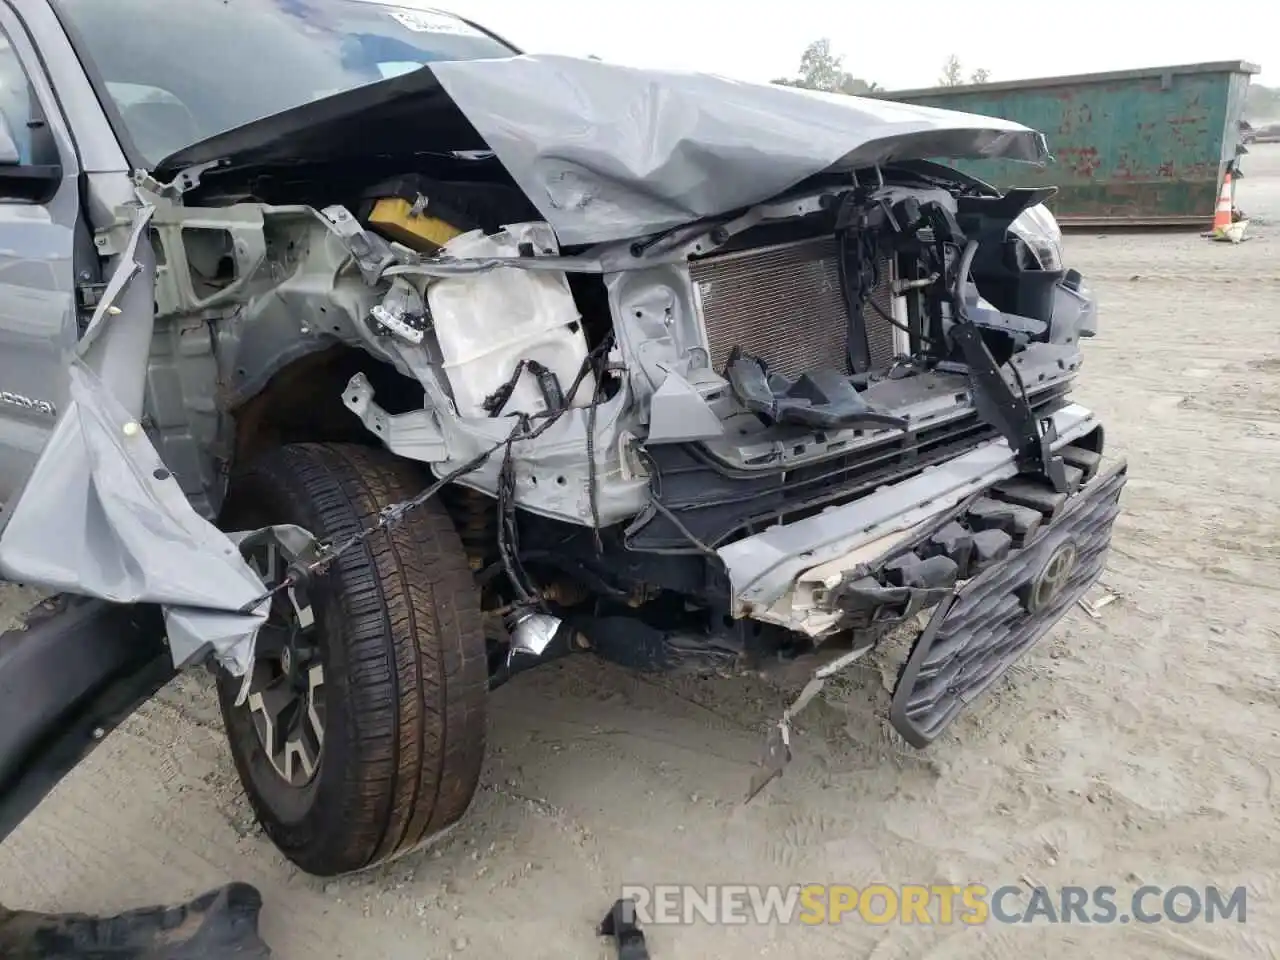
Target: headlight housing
1039, 230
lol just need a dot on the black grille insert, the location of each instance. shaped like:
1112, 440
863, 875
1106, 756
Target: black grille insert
718, 504
977, 633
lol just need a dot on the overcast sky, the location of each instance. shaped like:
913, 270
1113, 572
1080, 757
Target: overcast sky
754, 40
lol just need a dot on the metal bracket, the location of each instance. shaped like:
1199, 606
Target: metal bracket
89, 295
372, 254
110, 240
402, 314
1030, 440
414, 435
187, 179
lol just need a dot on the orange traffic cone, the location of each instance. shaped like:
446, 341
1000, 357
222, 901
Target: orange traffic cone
1222, 216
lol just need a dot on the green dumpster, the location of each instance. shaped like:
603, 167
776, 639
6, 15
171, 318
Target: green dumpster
1132, 147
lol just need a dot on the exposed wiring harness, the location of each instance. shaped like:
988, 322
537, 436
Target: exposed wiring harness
508, 532
527, 593
857, 285
508, 538
387, 516
656, 504
894, 321
593, 495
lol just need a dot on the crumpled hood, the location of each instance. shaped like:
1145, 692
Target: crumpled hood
607, 152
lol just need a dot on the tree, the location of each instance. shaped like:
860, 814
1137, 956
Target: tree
952, 73
820, 69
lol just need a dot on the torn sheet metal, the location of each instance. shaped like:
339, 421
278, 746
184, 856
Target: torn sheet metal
102, 516
777, 747
607, 152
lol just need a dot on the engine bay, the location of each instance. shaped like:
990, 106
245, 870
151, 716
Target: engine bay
822, 323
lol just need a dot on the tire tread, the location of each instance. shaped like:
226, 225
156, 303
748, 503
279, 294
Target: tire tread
416, 673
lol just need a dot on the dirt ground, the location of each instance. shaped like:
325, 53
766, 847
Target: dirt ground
1140, 747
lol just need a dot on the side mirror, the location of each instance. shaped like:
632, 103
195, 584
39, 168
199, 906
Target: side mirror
10, 156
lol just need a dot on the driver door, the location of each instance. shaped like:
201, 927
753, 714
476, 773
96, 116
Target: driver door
39, 227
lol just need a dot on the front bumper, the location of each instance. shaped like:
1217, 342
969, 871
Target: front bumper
784, 574
1000, 557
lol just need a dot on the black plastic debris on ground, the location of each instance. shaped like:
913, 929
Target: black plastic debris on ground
220, 925
620, 924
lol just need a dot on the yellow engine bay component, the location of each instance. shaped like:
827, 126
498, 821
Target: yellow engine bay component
400, 220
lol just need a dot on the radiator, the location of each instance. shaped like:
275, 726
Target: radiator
784, 304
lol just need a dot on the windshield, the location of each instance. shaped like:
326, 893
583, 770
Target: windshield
181, 71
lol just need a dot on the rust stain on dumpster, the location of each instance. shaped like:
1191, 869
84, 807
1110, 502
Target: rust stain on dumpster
1141, 146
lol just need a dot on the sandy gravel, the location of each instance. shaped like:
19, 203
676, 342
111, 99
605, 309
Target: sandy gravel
1139, 747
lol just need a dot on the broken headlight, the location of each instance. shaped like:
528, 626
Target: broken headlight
1039, 230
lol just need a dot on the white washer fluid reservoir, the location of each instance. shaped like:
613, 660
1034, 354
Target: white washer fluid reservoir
486, 323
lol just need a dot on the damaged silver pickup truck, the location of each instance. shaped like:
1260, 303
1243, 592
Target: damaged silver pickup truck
371, 362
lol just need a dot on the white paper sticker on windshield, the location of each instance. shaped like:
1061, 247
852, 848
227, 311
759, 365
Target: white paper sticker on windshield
432, 21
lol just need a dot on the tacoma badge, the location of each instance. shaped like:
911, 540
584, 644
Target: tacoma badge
43, 407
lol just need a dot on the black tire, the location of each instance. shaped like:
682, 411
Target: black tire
401, 639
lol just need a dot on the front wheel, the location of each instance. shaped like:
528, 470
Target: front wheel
363, 730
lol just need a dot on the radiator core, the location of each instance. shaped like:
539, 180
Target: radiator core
784, 304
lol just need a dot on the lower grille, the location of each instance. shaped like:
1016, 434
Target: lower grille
784, 304
996, 617
717, 504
